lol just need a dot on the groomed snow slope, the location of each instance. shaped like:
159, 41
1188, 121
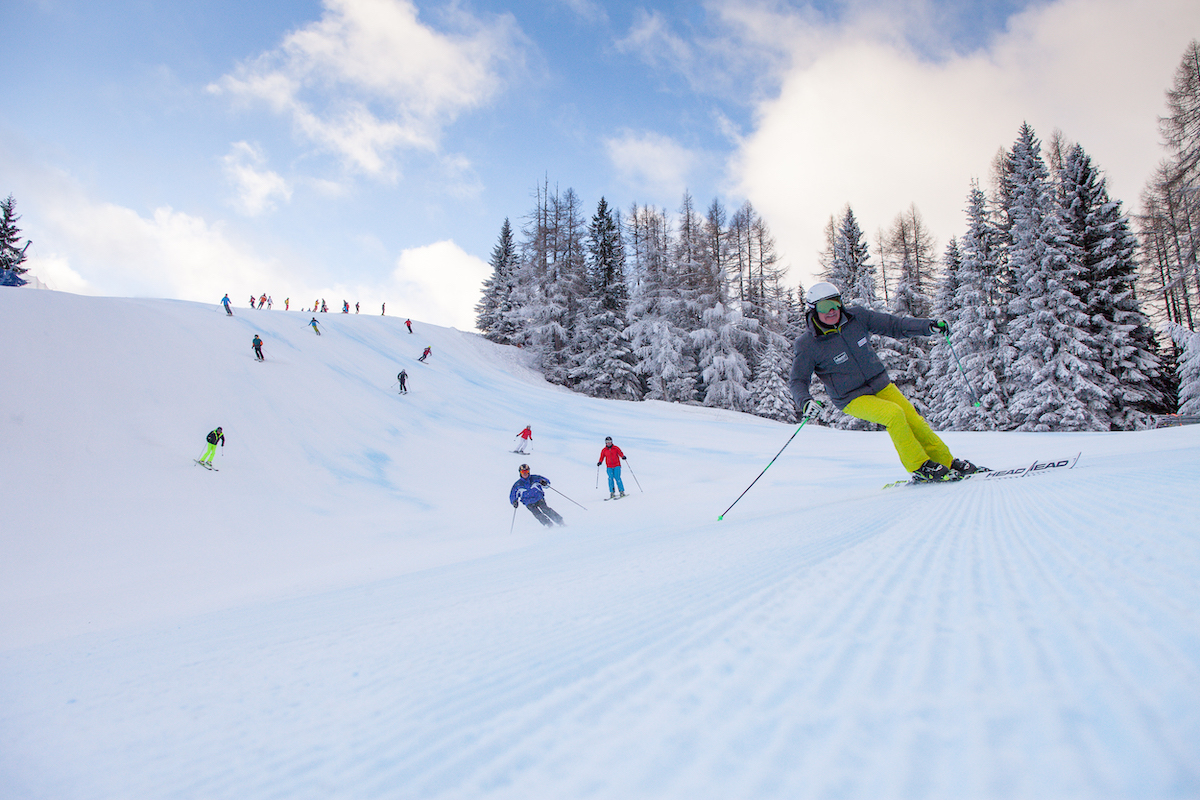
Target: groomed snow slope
342, 612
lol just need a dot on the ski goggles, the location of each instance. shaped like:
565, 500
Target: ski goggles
828, 304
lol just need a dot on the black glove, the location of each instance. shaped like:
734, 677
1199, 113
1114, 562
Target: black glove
810, 408
598, 463
516, 503
544, 483
940, 326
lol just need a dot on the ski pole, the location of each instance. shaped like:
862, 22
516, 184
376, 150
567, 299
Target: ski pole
597, 476
767, 467
551, 487
635, 480
514, 521
966, 380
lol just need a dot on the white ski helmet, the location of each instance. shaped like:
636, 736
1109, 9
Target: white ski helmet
820, 291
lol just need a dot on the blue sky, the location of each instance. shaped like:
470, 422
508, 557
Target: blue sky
369, 150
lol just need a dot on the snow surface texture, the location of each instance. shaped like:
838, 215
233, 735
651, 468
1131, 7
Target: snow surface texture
341, 611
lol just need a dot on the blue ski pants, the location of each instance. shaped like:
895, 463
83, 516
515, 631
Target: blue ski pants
614, 475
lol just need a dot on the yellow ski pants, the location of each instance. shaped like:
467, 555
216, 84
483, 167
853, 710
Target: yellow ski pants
914, 440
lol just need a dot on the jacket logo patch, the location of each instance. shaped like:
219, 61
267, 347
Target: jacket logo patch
841, 358
862, 342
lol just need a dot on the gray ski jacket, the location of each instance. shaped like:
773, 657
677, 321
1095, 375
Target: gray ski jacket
843, 358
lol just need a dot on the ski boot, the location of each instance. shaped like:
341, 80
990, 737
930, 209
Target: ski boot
961, 468
931, 472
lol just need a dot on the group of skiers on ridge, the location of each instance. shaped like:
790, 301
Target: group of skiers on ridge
318, 305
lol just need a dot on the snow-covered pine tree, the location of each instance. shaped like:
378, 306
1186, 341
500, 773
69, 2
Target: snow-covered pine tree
1100, 231
724, 371
978, 330
495, 313
769, 393
721, 339
604, 361
1188, 343
12, 255
661, 346
1057, 376
936, 380
553, 280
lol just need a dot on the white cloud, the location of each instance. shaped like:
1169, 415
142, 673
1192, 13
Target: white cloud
92, 247
860, 118
651, 162
256, 188
369, 78
439, 282
652, 40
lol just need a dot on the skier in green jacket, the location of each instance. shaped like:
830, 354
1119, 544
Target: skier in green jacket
213, 438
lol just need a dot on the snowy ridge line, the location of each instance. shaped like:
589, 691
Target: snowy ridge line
1038, 467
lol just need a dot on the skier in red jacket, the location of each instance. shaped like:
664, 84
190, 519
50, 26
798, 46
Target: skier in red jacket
611, 455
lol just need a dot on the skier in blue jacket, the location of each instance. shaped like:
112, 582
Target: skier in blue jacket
528, 490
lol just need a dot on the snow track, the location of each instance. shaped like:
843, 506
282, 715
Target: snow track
1032, 637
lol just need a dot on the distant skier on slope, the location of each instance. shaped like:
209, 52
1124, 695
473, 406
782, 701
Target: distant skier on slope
213, 438
425, 355
528, 490
257, 345
402, 377
225, 302
314, 326
525, 441
408, 322
836, 346
611, 456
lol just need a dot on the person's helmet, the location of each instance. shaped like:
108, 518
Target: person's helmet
524, 468
608, 440
218, 429
821, 291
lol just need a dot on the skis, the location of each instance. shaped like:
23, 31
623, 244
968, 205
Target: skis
1036, 468
618, 497
206, 465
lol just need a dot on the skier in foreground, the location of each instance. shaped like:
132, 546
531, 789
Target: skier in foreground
314, 326
528, 490
212, 439
836, 346
611, 455
257, 345
402, 378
